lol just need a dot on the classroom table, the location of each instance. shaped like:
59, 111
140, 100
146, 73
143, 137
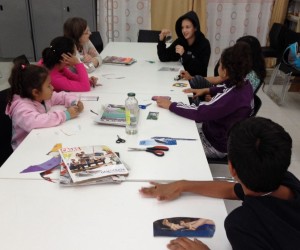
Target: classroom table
42, 215
144, 76
37, 214
186, 160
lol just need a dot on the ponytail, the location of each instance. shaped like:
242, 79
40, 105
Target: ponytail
24, 78
58, 46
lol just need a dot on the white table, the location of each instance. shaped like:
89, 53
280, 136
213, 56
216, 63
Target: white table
140, 77
186, 160
39, 215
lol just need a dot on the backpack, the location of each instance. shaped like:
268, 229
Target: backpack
291, 56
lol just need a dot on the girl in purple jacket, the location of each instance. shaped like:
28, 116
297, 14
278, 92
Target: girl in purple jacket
231, 102
31, 97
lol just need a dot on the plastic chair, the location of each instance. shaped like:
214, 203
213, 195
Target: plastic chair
148, 36
224, 161
282, 67
96, 39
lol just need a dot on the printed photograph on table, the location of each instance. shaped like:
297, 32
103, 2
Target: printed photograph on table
90, 163
180, 84
153, 116
184, 227
169, 69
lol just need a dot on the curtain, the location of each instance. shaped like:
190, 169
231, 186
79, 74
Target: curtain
164, 13
228, 20
120, 20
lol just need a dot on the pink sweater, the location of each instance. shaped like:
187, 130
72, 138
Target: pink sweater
27, 114
68, 81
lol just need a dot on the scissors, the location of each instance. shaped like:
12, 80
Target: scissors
157, 150
120, 140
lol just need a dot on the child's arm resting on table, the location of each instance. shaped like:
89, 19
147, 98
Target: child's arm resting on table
171, 191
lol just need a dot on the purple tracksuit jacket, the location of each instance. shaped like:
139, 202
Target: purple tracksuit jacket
228, 106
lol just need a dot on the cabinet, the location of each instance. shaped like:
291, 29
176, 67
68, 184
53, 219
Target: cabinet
28, 26
48, 17
15, 29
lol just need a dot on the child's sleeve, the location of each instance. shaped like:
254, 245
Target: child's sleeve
64, 98
70, 81
28, 117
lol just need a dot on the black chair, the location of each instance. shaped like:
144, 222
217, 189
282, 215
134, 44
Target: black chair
96, 39
148, 36
276, 41
6, 129
224, 161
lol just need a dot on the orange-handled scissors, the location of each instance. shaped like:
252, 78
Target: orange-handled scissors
157, 150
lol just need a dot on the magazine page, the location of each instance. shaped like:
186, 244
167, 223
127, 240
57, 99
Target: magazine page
184, 227
112, 115
90, 163
118, 60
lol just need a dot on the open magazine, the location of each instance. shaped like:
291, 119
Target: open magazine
119, 60
92, 163
112, 115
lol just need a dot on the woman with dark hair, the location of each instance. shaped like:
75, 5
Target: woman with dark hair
256, 76
191, 47
77, 29
57, 58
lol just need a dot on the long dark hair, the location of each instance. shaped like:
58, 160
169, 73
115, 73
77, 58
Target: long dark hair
58, 46
257, 57
24, 78
237, 61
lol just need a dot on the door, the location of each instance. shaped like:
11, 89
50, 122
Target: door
15, 31
47, 23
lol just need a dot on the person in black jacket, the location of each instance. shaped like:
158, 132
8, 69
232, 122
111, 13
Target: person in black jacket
191, 47
259, 154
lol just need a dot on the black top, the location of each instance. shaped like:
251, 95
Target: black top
195, 57
266, 222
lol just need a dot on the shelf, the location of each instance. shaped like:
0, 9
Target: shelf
292, 18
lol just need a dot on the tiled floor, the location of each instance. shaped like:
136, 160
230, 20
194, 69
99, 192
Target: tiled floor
288, 116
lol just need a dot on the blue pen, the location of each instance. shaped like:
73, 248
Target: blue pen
144, 106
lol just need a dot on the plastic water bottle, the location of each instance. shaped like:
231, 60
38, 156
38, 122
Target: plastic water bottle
132, 113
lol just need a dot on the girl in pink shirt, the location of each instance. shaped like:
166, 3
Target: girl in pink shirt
30, 99
58, 58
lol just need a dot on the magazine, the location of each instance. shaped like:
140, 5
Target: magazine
119, 60
66, 181
91, 163
112, 115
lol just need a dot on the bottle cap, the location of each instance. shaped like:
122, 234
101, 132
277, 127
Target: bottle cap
131, 94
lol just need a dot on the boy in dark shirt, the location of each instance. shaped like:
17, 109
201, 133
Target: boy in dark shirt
259, 153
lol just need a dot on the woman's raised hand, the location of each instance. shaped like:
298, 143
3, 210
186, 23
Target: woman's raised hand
164, 33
